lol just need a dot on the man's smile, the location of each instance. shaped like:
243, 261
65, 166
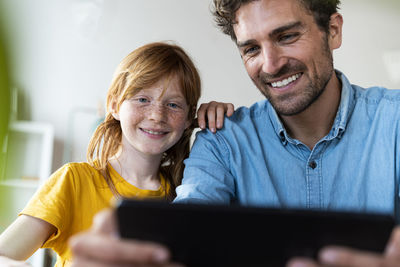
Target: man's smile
286, 81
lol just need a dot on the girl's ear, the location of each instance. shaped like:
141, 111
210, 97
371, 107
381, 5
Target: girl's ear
114, 111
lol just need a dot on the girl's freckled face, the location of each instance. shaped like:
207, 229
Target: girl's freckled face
154, 119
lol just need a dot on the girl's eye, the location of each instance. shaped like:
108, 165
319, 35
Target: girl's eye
173, 105
142, 100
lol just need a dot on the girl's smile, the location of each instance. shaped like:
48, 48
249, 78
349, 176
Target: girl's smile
153, 119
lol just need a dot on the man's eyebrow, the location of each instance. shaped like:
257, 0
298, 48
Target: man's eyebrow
289, 26
245, 43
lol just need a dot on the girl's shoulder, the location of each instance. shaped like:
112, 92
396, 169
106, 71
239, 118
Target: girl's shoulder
77, 174
79, 167
76, 169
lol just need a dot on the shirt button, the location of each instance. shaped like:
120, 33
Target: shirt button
312, 164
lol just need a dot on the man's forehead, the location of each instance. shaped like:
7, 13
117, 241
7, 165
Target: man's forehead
266, 16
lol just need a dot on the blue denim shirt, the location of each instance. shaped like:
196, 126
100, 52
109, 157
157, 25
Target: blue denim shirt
253, 160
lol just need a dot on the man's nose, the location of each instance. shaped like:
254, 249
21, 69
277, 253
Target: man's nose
272, 60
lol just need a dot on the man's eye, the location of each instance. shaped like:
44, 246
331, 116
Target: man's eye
250, 50
287, 38
172, 105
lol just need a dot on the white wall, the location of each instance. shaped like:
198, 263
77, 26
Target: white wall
65, 51
371, 32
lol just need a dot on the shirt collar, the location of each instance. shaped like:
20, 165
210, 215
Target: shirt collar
343, 114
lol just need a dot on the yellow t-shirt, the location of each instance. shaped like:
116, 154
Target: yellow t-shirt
72, 196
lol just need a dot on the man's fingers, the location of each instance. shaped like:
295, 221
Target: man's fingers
230, 109
209, 110
201, 116
110, 249
393, 249
105, 222
220, 116
302, 262
85, 262
340, 256
211, 113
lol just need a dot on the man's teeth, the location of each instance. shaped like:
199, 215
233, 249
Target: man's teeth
285, 81
153, 132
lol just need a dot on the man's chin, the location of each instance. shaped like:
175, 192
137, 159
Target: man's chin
289, 109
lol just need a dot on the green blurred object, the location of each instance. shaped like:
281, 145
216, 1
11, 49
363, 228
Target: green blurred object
4, 94
4, 117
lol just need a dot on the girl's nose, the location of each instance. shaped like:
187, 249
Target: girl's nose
157, 113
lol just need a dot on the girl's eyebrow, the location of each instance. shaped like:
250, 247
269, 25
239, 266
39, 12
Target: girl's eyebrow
174, 95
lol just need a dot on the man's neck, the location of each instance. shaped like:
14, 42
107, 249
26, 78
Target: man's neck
316, 121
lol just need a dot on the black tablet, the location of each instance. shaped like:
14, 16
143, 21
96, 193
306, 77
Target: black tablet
216, 235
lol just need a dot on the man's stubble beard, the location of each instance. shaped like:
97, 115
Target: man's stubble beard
296, 102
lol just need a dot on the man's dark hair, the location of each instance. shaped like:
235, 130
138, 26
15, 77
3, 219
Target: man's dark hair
224, 13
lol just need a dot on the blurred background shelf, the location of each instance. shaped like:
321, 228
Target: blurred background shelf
26, 161
33, 184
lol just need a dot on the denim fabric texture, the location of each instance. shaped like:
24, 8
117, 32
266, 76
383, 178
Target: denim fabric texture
253, 161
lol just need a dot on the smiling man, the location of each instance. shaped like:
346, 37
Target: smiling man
290, 60
315, 142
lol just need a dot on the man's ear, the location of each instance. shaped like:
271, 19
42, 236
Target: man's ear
114, 110
335, 31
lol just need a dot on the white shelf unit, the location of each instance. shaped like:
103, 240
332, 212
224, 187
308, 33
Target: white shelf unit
20, 183
27, 162
29, 152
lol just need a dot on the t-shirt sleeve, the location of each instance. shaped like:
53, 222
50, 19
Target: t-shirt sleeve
53, 203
